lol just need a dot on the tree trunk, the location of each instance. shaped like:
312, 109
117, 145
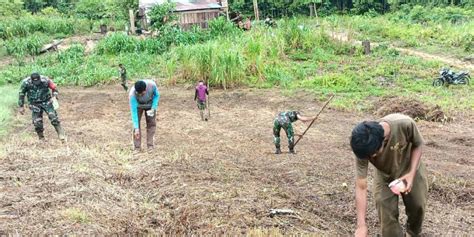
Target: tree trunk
132, 21
255, 9
315, 10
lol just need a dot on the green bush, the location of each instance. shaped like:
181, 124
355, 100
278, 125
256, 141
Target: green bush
222, 27
162, 15
11, 9
50, 25
74, 54
426, 15
50, 11
117, 43
31, 45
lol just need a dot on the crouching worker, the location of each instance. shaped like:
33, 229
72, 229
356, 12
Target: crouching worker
284, 120
37, 89
393, 145
144, 97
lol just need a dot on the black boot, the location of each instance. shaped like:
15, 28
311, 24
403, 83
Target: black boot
291, 146
278, 151
60, 132
40, 135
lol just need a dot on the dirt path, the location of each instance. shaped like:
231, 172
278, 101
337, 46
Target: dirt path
211, 177
449, 61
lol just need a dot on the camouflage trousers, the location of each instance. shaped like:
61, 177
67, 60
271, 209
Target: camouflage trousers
124, 83
37, 115
288, 130
201, 105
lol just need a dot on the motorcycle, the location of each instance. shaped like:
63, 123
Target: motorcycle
448, 77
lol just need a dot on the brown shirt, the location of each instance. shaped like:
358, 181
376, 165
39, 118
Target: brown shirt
396, 154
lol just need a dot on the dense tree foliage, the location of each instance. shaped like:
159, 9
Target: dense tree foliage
118, 9
280, 8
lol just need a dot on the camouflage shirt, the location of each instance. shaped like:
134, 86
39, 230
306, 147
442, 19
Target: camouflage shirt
123, 73
287, 117
36, 91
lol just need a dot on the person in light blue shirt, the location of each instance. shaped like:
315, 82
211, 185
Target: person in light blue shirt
144, 97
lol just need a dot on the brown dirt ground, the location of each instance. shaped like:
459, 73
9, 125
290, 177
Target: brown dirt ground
216, 177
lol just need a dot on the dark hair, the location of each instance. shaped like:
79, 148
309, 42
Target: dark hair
140, 86
35, 75
120, 65
201, 80
367, 138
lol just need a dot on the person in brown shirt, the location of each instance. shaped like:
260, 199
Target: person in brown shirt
393, 145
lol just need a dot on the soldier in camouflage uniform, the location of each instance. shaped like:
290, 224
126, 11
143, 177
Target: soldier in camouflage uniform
36, 88
284, 120
123, 76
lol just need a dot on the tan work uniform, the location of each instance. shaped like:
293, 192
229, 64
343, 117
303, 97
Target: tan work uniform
392, 163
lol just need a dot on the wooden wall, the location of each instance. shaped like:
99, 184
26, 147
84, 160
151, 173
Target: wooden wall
200, 18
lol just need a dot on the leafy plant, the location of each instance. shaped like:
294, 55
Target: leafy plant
74, 54
21, 47
162, 14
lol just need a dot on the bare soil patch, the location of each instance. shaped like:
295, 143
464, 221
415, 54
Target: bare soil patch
216, 177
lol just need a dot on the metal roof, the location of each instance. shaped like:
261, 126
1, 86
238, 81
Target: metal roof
184, 5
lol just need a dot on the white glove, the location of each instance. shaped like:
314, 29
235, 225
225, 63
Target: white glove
150, 113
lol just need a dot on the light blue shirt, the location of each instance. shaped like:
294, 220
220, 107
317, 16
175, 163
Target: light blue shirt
147, 101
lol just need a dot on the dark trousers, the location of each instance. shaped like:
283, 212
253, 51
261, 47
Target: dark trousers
150, 129
415, 205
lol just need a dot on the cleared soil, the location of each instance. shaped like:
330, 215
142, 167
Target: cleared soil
215, 177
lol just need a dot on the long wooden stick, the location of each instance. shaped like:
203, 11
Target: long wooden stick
208, 108
327, 102
207, 102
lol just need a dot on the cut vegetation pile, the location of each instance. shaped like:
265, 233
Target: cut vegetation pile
410, 107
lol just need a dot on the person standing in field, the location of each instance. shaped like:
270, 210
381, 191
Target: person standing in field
143, 98
37, 89
123, 76
393, 145
201, 94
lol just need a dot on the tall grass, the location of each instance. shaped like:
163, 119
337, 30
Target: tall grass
218, 62
72, 67
11, 27
7, 104
24, 46
261, 55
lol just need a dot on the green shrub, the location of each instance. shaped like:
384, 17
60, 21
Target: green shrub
162, 15
50, 11
117, 43
74, 54
222, 27
31, 45
50, 25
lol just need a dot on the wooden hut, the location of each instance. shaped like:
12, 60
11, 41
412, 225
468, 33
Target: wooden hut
191, 12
